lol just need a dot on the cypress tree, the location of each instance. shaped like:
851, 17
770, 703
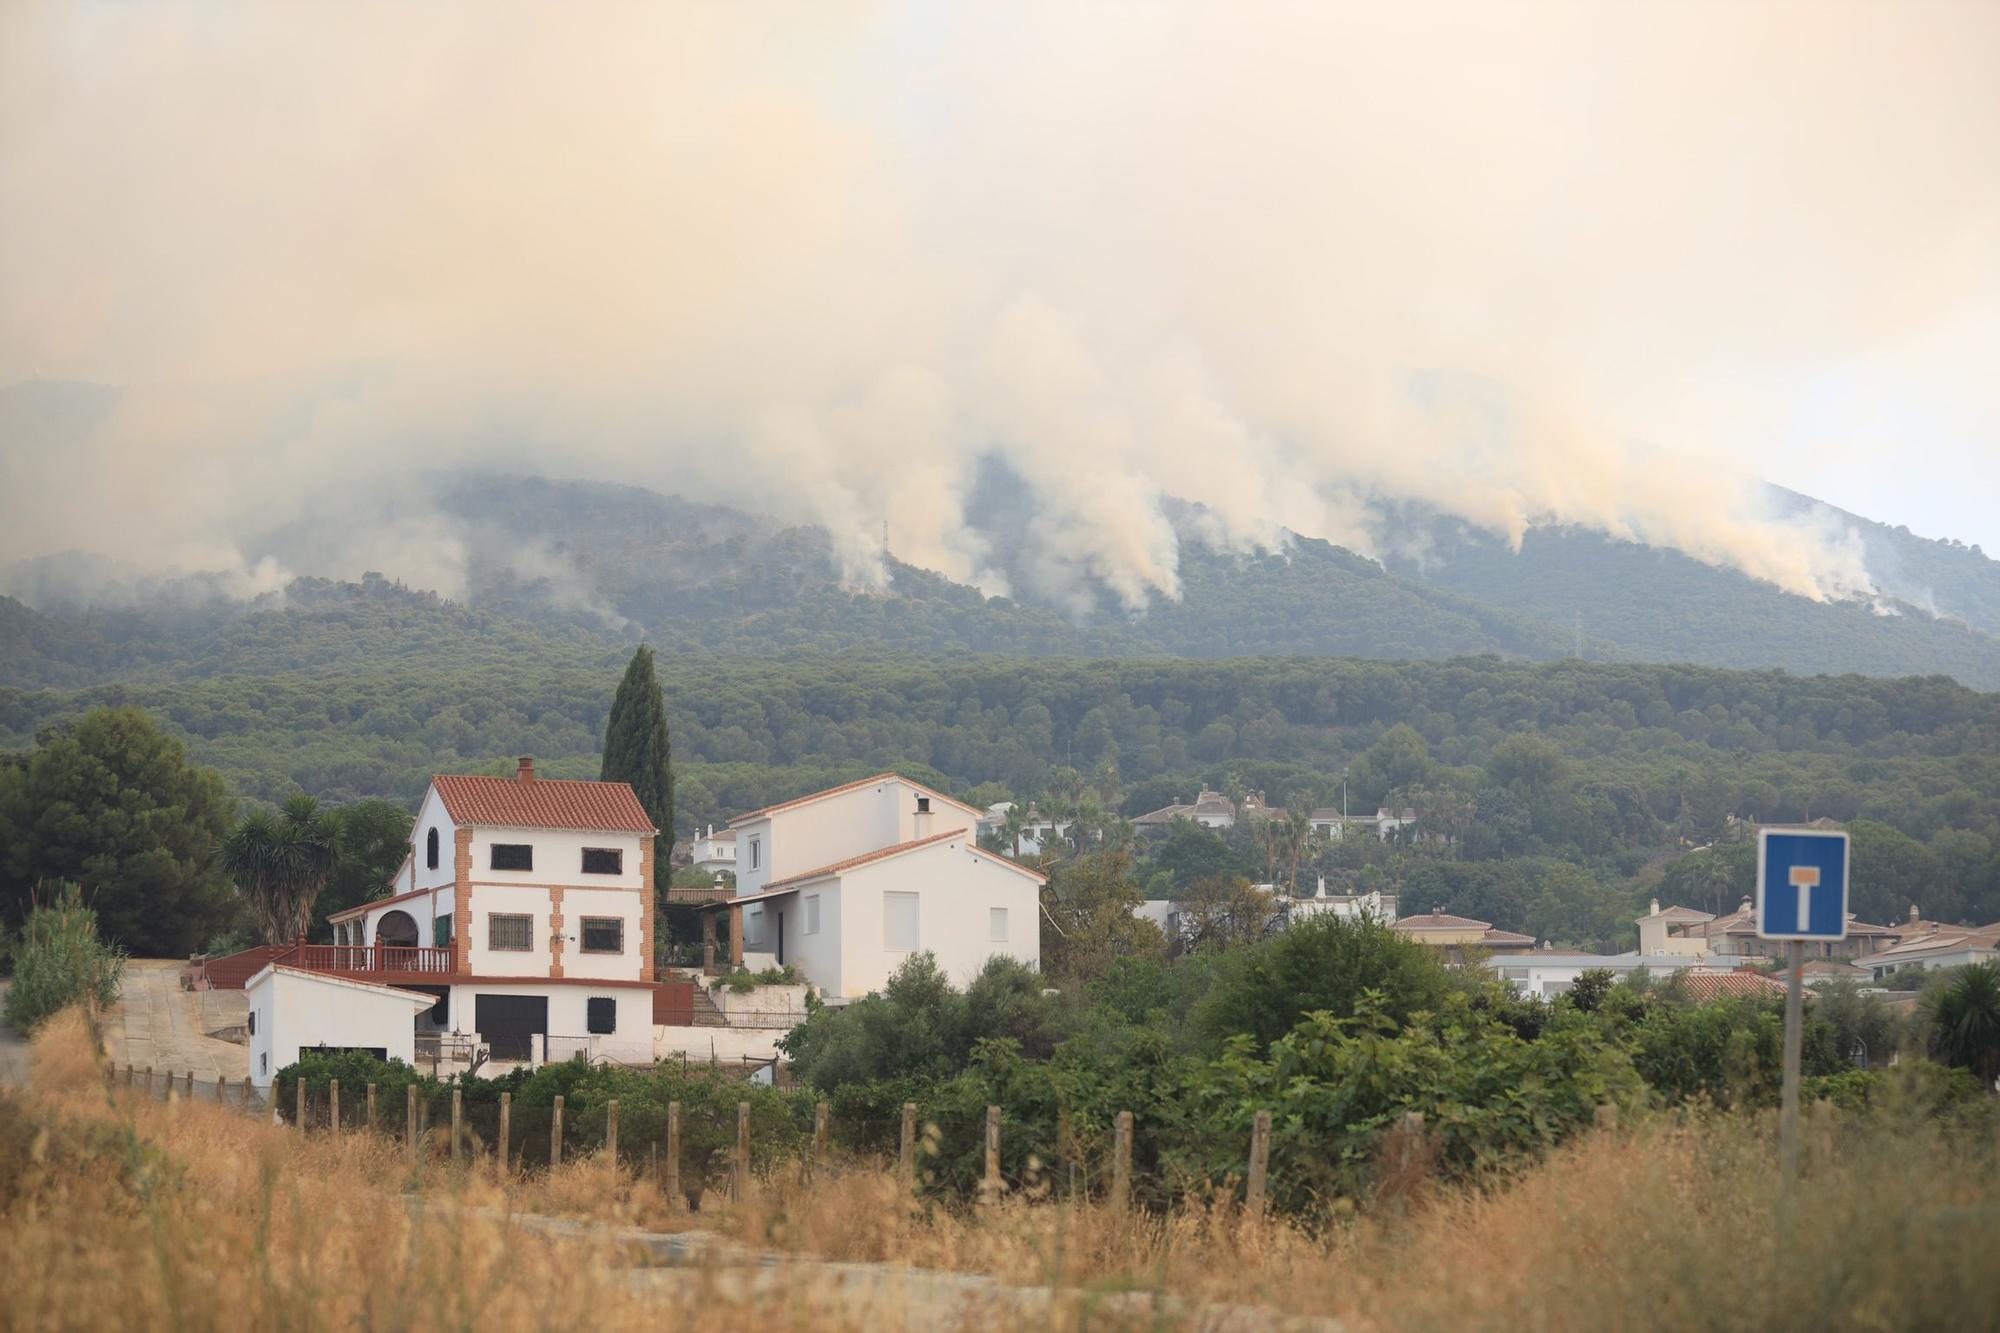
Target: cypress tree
636, 750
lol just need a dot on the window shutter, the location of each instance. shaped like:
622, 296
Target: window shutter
899, 921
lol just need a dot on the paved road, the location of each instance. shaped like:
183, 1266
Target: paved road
156, 1023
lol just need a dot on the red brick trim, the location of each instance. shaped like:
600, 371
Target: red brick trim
461, 900
646, 904
555, 932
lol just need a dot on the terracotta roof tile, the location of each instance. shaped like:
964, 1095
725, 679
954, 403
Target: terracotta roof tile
552, 803
1703, 985
1495, 935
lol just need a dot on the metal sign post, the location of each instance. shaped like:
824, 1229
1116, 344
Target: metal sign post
1802, 877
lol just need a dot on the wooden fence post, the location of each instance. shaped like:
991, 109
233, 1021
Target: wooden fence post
221, 1090
249, 1090
410, 1116
190, 1087
906, 1165
371, 1108
989, 1185
299, 1089
149, 1080
742, 1182
555, 1132
819, 1137
506, 1131
611, 1130
675, 1198
128, 1074
457, 1123
333, 1103
1121, 1162
1260, 1162
173, 1089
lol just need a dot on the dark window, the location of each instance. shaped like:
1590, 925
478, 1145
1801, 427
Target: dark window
253, 1022
603, 1016
603, 861
508, 931
603, 934
513, 856
431, 849
441, 931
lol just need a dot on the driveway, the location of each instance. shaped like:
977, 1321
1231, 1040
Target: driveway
155, 1023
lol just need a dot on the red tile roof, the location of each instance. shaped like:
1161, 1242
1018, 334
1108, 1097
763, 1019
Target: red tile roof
1703, 985
552, 803
1495, 935
363, 909
856, 785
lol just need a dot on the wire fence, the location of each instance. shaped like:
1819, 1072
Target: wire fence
717, 1146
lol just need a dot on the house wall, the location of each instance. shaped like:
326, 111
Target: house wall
724, 1046
422, 909
295, 1013
955, 889
432, 814
538, 903
631, 1043
822, 832
558, 858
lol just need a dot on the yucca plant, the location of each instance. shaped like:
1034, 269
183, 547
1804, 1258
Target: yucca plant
1964, 1020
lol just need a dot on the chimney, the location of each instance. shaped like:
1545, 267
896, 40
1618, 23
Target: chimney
923, 819
1913, 914
1653, 907
526, 772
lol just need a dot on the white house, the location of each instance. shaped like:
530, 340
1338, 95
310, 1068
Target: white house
1038, 832
1547, 973
292, 1010
846, 884
1333, 825
713, 852
524, 911
1211, 810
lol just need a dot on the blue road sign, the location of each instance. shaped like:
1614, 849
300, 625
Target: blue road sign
1801, 884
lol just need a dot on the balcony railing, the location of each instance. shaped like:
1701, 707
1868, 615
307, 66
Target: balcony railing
405, 960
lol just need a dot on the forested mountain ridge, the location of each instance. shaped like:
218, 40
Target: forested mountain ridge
575, 569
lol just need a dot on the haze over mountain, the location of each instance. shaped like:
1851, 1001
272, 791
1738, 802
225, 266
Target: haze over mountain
566, 571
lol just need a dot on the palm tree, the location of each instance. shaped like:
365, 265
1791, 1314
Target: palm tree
279, 863
1964, 1019
1014, 825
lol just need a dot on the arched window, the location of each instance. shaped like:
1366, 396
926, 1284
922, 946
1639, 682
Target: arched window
431, 849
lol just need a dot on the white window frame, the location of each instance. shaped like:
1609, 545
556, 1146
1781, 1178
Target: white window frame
753, 853
811, 926
996, 925
892, 942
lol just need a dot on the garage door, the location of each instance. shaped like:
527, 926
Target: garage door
510, 1024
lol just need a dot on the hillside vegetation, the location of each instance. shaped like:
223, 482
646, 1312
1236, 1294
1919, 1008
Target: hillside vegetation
563, 568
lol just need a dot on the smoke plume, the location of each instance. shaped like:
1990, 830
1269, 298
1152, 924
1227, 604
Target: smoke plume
1523, 263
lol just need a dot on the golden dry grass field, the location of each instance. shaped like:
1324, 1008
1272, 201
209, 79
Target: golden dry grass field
129, 1212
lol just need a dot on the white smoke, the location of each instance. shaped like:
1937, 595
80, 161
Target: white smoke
1525, 264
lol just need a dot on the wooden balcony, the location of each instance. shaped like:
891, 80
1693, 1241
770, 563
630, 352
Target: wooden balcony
392, 964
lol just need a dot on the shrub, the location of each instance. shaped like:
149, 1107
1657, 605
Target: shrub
59, 960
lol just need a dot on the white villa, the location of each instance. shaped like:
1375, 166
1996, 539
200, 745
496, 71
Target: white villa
846, 884
713, 852
1036, 833
520, 926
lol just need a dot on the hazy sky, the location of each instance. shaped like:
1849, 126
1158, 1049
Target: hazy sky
1596, 263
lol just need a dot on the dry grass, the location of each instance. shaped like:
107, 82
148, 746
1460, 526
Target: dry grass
119, 1210
1671, 1223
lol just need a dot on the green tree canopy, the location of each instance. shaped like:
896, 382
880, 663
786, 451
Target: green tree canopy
279, 863
371, 837
112, 804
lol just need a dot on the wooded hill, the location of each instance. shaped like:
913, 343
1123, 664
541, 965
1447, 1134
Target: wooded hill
611, 564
